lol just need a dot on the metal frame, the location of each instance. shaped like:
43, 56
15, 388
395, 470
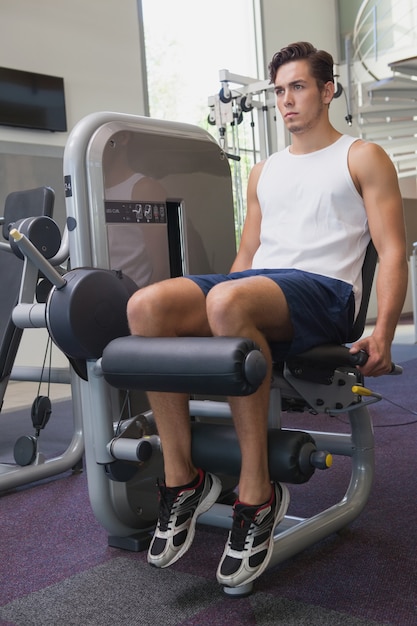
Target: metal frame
27, 314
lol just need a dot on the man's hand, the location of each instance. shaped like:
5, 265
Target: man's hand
379, 356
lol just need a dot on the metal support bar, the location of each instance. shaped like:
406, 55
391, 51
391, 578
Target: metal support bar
39, 261
413, 267
26, 315
14, 476
38, 374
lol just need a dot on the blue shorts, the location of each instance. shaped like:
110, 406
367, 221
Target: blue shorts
322, 309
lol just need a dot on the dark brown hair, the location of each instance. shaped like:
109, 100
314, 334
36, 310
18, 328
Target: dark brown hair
321, 62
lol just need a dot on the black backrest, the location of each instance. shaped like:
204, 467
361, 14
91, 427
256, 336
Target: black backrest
18, 205
368, 272
28, 203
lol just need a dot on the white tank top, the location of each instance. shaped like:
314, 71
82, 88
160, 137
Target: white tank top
313, 217
127, 245
123, 190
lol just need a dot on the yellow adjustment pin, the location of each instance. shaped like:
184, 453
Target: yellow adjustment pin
361, 391
329, 460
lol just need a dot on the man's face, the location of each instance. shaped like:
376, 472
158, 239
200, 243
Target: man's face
299, 99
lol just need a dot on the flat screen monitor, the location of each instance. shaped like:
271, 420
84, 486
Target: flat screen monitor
30, 100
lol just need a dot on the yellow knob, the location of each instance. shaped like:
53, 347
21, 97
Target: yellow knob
362, 391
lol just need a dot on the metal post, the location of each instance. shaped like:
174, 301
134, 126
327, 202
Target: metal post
413, 264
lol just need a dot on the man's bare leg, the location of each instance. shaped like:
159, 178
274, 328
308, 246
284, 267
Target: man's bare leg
255, 308
171, 308
168, 309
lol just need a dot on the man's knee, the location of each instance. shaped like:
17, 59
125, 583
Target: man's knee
223, 310
142, 309
172, 307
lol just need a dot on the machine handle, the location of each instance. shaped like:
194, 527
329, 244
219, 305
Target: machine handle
358, 358
33, 254
361, 357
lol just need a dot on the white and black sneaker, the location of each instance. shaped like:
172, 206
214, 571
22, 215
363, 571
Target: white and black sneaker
250, 544
179, 508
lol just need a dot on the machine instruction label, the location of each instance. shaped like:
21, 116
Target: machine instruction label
135, 212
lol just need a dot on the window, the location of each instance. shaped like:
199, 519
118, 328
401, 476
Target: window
186, 45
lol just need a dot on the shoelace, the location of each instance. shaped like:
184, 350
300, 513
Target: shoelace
241, 526
167, 498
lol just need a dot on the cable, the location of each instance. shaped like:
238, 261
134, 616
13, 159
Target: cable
48, 348
125, 404
348, 116
363, 391
400, 406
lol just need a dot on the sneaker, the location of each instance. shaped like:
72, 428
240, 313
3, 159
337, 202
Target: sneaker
251, 541
179, 508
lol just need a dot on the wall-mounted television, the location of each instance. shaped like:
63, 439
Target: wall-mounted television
30, 100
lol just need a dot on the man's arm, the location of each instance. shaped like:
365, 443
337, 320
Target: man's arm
376, 179
249, 242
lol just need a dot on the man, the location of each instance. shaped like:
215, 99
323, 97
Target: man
311, 210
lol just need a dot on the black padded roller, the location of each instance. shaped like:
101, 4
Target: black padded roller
206, 365
89, 311
215, 448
